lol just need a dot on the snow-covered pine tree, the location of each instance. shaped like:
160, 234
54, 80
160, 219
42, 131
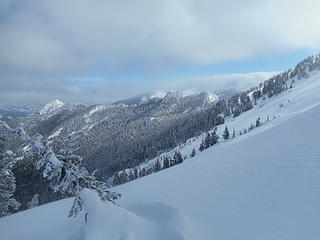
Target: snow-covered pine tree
64, 171
226, 134
130, 175
207, 141
116, 179
166, 163
177, 158
258, 122
35, 201
143, 172
7, 180
214, 138
135, 172
172, 162
201, 148
193, 153
7, 185
157, 166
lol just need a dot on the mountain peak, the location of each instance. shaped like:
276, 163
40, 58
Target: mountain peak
51, 106
209, 97
172, 94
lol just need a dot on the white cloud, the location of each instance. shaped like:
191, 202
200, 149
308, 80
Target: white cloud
18, 90
71, 36
41, 40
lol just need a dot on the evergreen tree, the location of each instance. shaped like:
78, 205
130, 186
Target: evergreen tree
177, 157
136, 174
116, 179
8, 204
131, 175
201, 148
214, 137
143, 172
172, 162
234, 133
64, 171
207, 141
157, 166
258, 122
166, 163
193, 153
226, 134
35, 201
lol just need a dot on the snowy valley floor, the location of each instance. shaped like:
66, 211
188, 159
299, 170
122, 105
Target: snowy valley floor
261, 186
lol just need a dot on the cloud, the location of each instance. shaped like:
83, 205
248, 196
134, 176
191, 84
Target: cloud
67, 37
44, 40
18, 90
213, 83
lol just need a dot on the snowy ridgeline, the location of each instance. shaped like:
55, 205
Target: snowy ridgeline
263, 185
117, 137
264, 112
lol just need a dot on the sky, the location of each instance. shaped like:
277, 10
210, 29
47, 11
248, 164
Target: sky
100, 51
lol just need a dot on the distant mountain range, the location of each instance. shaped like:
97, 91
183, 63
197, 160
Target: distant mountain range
10, 111
264, 174
221, 94
111, 138
126, 133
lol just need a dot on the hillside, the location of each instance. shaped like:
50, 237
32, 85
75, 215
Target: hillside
125, 142
269, 111
260, 185
113, 137
263, 187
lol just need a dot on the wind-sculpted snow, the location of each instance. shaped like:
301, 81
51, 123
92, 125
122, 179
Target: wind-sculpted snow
104, 221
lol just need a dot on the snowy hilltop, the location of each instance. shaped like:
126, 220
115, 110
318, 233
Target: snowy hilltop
50, 107
205, 97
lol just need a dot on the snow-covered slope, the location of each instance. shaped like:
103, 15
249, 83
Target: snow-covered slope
271, 111
172, 95
261, 185
51, 106
105, 221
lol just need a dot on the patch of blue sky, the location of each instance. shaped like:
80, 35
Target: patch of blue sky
136, 72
